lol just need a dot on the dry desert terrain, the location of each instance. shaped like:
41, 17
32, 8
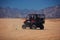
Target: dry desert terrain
10, 29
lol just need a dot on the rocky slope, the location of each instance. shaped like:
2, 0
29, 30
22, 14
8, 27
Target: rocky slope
50, 12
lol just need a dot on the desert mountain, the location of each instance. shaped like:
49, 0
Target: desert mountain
50, 12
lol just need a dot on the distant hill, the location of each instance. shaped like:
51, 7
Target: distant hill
50, 12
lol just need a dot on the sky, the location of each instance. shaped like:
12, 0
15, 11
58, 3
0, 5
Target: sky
29, 4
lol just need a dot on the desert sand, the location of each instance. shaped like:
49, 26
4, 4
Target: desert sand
11, 29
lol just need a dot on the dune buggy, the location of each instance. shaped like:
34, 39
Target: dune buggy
34, 21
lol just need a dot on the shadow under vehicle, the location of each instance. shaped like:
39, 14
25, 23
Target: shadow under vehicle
34, 21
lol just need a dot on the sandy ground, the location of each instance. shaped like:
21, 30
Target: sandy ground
10, 29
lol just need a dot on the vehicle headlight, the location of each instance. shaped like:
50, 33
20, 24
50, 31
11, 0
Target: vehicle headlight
28, 21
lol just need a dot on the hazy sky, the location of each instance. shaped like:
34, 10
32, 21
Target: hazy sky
29, 4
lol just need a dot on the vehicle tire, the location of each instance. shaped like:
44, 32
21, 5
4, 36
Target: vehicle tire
24, 26
30, 27
41, 26
34, 27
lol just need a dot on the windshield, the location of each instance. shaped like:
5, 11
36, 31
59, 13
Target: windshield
36, 15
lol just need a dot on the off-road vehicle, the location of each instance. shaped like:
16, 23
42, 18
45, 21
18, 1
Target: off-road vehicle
34, 21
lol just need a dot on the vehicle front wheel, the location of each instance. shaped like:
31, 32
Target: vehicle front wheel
24, 26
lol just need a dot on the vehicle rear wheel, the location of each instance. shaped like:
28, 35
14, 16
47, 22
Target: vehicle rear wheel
41, 26
34, 27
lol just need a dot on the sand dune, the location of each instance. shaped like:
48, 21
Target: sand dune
10, 29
